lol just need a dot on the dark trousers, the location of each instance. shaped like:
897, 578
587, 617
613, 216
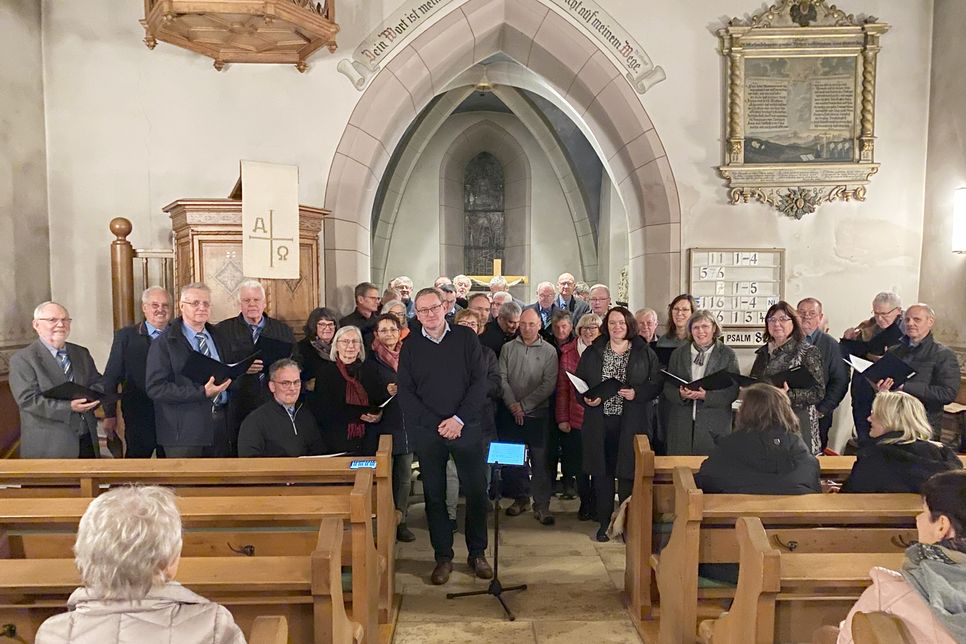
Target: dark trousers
86, 443
219, 447
433, 451
824, 425
862, 397
572, 454
402, 482
140, 440
604, 486
518, 482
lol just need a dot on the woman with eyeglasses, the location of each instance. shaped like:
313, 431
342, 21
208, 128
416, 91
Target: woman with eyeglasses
384, 360
610, 424
398, 309
698, 418
679, 311
345, 388
786, 348
569, 413
316, 346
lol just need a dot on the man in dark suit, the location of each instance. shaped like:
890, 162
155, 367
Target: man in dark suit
364, 316
244, 334
836, 373
191, 418
566, 300
52, 428
450, 307
545, 306
127, 365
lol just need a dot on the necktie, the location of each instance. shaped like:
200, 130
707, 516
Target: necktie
155, 334
64, 360
256, 331
203, 345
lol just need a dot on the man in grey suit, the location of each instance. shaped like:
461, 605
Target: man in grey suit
52, 428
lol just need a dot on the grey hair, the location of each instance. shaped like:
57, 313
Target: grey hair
581, 287
283, 363
922, 305
599, 286
126, 539
509, 310
548, 284
194, 286
810, 300
589, 319
345, 330
888, 298
498, 280
502, 295
646, 311
705, 314
40, 308
249, 284
391, 303
402, 279
146, 293
462, 278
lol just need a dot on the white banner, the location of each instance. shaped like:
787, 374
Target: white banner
270, 220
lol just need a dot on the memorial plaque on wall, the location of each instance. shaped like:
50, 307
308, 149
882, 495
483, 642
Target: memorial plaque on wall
737, 285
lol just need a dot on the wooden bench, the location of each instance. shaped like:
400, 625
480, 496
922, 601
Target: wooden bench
954, 419
40, 478
880, 628
850, 523
305, 590
269, 629
785, 596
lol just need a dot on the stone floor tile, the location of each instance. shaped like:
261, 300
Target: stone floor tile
502, 632
567, 632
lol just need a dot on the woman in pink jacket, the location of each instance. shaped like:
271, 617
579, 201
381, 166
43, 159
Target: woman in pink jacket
127, 551
929, 594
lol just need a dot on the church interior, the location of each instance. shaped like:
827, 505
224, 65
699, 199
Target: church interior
482, 130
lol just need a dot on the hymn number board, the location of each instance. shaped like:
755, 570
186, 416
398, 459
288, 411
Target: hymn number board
737, 284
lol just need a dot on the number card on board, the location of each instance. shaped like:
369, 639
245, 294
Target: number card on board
737, 285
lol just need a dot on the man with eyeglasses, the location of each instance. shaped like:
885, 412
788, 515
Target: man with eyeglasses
503, 328
252, 329
52, 428
404, 286
442, 387
364, 315
836, 374
600, 299
191, 418
127, 365
567, 300
280, 427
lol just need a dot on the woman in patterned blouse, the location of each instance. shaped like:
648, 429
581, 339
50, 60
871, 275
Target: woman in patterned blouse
610, 424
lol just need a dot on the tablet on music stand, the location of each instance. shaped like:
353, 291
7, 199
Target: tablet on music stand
507, 454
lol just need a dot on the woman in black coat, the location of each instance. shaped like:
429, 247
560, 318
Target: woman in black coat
342, 386
316, 346
610, 425
899, 457
384, 359
765, 454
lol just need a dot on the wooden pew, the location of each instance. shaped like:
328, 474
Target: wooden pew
785, 596
850, 523
269, 629
306, 590
219, 477
880, 628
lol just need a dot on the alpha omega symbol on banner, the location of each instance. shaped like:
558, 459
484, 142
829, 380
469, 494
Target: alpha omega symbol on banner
270, 219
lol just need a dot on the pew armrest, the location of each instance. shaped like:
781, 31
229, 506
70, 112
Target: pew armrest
332, 624
271, 629
879, 628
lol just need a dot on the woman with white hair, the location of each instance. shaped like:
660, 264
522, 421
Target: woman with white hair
127, 551
345, 388
900, 456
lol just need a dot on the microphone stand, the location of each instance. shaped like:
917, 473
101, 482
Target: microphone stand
495, 588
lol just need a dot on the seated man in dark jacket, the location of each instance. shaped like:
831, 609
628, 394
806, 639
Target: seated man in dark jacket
279, 427
765, 454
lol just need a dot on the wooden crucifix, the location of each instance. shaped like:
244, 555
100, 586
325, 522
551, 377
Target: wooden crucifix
511, 280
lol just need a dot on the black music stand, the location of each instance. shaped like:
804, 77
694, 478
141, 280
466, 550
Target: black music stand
496, 493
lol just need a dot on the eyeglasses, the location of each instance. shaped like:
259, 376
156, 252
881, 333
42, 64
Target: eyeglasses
777, 320
348, 342
158, 307
685, 309
325, 325
587, 329
288, 383
885, 314
430, 309
55, 321
809, 315
599, 299
388, 330
197, 304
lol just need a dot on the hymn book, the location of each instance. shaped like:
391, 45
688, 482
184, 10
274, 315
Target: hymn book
888, 366
199, 368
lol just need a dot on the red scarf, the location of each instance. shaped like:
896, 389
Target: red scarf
355, 394
387, 355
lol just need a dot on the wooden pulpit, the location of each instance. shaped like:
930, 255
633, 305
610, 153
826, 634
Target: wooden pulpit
208, 248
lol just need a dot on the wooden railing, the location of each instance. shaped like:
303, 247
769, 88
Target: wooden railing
156, 267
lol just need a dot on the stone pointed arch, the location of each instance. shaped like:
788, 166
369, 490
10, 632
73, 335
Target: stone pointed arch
573, 69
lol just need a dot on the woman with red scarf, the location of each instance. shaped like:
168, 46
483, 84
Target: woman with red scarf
384, 359
344, 389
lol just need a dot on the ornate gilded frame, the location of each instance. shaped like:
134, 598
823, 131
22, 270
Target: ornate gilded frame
790, 155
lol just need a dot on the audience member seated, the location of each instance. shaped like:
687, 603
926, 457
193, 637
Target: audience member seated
786, 348
900, 456
698, 418
929, 594
343, 387
280, 427
765, 454
127, 551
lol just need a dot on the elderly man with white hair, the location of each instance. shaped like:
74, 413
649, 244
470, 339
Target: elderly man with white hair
599, 299
49, 427
567, 299
545, 306
936, 380
463, 285
404, 286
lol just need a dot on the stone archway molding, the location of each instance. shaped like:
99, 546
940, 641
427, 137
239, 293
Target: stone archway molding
571, 66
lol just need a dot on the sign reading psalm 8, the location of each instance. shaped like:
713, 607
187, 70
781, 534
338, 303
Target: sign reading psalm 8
270, 220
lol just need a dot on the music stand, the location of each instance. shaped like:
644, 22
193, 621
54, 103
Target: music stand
501, 455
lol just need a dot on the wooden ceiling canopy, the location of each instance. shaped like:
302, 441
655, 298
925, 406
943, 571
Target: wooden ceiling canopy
243, 31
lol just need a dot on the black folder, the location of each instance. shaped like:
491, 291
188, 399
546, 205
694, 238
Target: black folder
199, 368
664, 354
712, 382
889, 366
272, 350
605, 390
796, 377
359, 410
877, 345
73, 391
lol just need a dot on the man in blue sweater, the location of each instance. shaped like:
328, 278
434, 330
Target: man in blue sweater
442, 387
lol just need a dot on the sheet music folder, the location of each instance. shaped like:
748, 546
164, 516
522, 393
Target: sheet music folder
606, 389
272, 350
712, 382
72, 391
199, 368
888, 366
796, 377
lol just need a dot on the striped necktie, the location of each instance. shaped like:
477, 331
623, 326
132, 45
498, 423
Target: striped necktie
203, 345
64, 360
256, 331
